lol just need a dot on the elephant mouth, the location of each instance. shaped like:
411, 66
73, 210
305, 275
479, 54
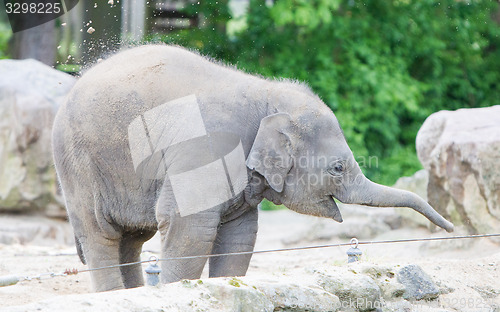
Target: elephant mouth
334, 209
325, 207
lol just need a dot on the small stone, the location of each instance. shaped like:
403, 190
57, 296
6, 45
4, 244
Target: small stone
91, 30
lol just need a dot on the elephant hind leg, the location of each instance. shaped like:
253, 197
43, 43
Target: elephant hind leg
130, 251
95, 246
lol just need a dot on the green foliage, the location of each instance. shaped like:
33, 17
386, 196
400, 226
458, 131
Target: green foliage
381, 66
69, 68
5, 34
267, 205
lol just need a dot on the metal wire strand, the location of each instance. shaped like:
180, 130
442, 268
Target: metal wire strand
11, 280
409, 240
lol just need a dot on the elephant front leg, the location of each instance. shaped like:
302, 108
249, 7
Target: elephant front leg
238, 235
186, 236
100, 252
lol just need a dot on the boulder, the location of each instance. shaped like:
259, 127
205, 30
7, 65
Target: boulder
392, 283
287, 296
349, 288
418, 285
234, 295
461, 151
216, 294
170, 297
357, 292
385, 278
30, 93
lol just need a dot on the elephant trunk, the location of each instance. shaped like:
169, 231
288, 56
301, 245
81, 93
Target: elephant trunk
373, 194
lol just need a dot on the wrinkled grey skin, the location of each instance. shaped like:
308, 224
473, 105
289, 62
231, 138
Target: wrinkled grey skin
294, 148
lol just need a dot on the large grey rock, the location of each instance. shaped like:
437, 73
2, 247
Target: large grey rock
461, 151
418, 284
30, 93
217, 294
294, 297
385, 277
350, 288
235, 295
171, 297
357, 292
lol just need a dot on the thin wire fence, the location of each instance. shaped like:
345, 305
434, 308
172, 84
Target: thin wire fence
409, 240
11, 280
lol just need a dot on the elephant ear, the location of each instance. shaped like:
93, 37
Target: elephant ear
271, 153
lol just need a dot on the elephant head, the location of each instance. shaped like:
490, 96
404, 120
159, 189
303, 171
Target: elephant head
305, 163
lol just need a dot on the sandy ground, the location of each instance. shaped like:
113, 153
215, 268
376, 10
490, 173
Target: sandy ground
469, 269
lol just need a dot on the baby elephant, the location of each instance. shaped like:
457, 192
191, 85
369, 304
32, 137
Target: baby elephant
158, 138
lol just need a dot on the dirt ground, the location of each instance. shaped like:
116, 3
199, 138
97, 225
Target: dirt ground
468, 269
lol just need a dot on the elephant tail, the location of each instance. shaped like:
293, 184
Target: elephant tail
79, 250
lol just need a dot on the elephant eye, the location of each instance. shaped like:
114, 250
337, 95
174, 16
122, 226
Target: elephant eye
337, 169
